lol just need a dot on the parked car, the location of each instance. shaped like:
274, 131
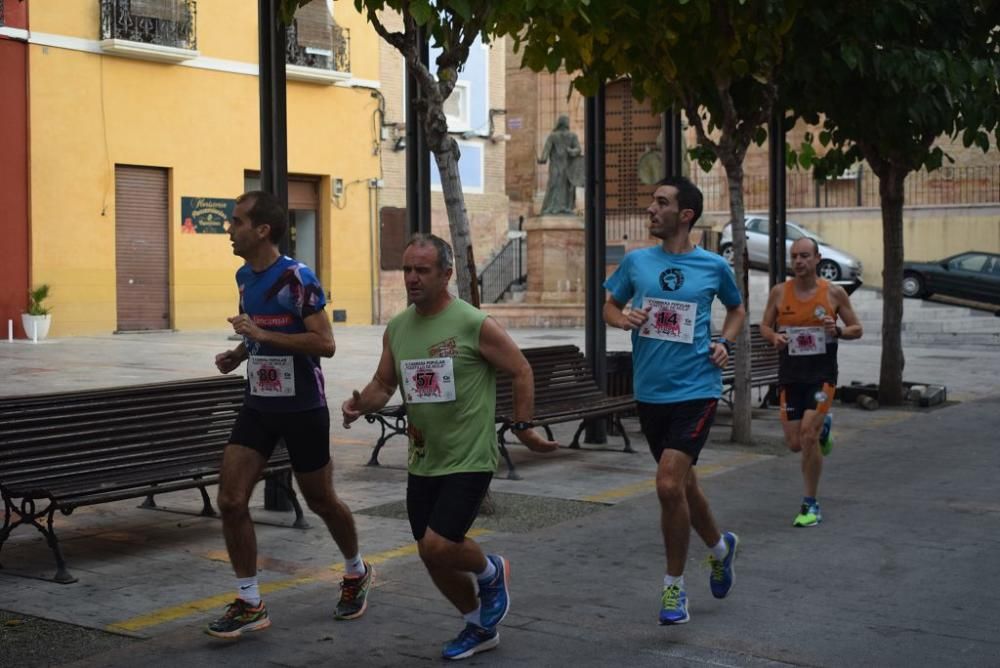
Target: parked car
836, 264
970, 275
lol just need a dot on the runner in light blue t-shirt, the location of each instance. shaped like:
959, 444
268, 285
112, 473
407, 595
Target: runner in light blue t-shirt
677, 374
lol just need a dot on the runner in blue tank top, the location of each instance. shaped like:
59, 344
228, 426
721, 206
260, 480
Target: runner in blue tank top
285, 333
677, 374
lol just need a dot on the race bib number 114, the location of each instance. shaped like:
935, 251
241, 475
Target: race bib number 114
669, 320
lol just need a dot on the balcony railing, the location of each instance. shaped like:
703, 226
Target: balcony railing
158, 29
319, 60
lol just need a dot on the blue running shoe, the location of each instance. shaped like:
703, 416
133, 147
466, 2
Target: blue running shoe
674, 606
723, 573
472, 640
825, 438
494, 596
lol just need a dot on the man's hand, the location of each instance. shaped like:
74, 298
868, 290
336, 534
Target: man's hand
830, 327
244, 325
534, 442
635, 317
719, 354
779, 341
350, 409
227, 361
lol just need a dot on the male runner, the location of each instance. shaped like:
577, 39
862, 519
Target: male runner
800, 320
445, 354
285, 331
677, 374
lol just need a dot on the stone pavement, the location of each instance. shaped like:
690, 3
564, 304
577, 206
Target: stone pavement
898, 574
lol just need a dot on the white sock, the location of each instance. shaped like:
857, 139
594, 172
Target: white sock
473, 617
355, 566
721, 550
671, 580
248, 590
488, 573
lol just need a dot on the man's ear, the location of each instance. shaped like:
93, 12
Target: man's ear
265, 228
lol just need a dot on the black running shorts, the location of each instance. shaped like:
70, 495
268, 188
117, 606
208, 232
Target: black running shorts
448, 504
797, 398
683, 426
306, 434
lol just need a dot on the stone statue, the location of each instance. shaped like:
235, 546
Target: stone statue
563, 153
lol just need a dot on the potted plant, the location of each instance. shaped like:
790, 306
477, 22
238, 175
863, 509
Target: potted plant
36, 319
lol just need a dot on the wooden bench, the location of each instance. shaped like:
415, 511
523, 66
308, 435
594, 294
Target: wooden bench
66, 450
565, 391
763, 369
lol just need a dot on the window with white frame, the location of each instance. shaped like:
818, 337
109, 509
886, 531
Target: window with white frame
456, 107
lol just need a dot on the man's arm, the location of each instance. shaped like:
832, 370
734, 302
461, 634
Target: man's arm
770, 320
231, 359
731, 326
377, 392
852, 328
616, 315
316, 341
497, 348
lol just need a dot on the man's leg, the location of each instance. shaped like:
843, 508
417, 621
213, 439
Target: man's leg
450, 566
317, 489
812, 458
701, 515
675, 516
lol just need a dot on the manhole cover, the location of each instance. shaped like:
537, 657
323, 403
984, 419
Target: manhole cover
510, 513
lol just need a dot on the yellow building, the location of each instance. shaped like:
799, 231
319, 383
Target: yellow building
144, 125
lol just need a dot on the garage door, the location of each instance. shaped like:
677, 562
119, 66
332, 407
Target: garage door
141, 248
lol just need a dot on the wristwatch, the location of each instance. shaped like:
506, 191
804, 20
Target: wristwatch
521, 426
727, 343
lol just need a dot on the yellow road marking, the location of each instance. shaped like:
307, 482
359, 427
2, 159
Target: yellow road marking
635, 488
173, 613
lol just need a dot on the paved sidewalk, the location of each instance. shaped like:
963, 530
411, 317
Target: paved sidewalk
884, 581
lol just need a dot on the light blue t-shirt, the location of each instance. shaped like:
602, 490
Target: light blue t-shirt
668, 371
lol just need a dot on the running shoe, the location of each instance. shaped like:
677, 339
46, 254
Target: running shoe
809, 516
674, 606
240, 617
494, 596
472, 640
723, 573
825, 437
354, 594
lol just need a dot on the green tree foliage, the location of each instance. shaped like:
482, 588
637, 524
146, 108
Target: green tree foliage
885, 79
716, 59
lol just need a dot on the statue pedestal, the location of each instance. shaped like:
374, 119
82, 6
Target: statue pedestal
555, 260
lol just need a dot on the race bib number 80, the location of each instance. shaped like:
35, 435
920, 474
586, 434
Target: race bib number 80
271, 375
428, 381
669, 320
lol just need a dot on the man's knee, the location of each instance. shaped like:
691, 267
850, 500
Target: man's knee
435, 551
670, 489
322, 503
232, 503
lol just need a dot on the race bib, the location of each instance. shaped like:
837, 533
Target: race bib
271, 375
806, 340
428, 381
669, 320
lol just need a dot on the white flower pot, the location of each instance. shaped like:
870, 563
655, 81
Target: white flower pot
36, 327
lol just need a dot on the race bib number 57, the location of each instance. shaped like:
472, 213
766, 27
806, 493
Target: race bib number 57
429, 380
669, 320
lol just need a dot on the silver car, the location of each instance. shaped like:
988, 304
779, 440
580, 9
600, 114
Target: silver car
836, 264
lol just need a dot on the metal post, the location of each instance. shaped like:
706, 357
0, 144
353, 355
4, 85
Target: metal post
777, 208
673, 157
273, 152
595, 253
418, 157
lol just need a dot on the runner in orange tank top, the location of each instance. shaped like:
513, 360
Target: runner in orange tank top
800, 321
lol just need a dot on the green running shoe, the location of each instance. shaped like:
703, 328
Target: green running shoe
354, 594
240, 618
809, 516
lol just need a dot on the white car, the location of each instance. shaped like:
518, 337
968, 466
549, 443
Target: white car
836, 265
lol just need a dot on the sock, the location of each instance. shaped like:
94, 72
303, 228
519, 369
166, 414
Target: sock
355, 566
247, 589
721, 550
473, 617
488, 573
809, 500
670, 580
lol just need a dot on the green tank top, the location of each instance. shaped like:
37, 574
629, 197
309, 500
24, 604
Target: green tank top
449, 390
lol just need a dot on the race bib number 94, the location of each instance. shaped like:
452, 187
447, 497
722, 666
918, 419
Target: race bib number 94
669, 320
806, 340
428, 381
271, 375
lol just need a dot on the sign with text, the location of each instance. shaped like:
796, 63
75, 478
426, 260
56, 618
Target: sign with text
205, 215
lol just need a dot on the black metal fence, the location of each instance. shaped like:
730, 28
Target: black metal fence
506, 269
170, 24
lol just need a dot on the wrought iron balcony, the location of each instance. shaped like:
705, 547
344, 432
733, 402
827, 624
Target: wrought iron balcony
325, 60
153, 29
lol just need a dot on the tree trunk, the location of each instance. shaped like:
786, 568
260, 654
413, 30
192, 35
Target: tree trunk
446, 155
890, 186
741, 431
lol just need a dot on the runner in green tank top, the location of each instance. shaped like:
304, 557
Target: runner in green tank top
444, 355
